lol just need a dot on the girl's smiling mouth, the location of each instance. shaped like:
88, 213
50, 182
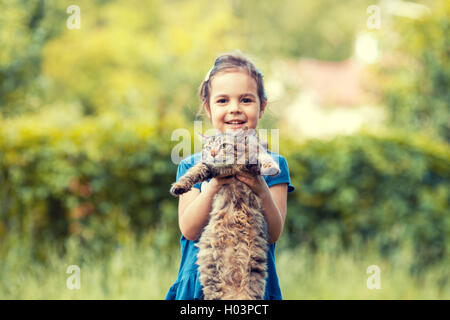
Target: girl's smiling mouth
235, 124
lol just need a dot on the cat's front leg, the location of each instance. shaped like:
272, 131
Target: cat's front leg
198, 173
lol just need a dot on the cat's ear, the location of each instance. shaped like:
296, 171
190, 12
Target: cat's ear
264, 145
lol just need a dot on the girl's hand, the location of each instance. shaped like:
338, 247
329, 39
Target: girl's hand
215, 183
256, 183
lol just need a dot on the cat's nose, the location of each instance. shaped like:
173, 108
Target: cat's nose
213, 152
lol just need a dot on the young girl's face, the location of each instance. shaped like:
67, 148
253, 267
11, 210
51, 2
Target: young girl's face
234, 101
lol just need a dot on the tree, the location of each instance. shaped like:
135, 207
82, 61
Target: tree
25, 27
415, 74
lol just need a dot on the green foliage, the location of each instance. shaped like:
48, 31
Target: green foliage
127, 56
322, 29
133, 270
130, 56
334, 273
415, 75
25, 28
389, 188
98, 178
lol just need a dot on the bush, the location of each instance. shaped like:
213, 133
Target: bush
415, 74
100, 179
390, 189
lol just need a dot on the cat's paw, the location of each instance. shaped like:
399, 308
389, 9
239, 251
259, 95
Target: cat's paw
253, 169
178, 188
269, 169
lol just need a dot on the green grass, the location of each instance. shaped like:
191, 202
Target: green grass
343, 275
138, 271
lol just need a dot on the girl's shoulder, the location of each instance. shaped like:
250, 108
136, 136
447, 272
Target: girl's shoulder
284, 175
187, 163
191, 160
277, 156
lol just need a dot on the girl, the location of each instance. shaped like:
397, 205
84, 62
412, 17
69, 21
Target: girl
233, 96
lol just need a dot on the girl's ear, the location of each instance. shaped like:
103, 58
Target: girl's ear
208, 111
262, 108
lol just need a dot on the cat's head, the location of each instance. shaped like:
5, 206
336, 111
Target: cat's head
230, 148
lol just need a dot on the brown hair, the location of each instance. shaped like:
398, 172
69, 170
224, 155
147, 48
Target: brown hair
228, 61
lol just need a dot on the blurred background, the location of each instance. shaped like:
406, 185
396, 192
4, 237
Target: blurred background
90, 95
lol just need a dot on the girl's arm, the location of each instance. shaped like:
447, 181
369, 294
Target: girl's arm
274, 204
194, 208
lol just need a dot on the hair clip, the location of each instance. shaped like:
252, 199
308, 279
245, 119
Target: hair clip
208, 74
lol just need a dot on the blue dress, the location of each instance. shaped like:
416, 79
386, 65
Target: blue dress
187, 286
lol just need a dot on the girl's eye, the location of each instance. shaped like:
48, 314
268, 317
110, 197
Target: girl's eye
247, 100
221, 101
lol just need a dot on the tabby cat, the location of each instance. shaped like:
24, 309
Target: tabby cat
233, 246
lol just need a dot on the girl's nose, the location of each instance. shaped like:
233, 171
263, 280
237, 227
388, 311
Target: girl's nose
234, 106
